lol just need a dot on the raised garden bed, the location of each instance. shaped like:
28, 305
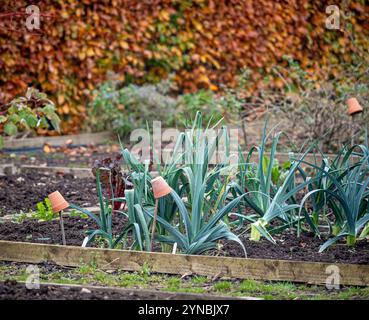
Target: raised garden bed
289, 247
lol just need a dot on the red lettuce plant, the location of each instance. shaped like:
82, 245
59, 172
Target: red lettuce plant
113, 179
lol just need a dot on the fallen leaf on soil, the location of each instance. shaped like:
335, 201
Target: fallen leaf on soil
47, 148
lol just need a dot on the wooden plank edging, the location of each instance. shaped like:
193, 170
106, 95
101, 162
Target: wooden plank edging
226, 267
56, 141
77, 172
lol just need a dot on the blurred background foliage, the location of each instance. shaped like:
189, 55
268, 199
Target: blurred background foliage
202, 45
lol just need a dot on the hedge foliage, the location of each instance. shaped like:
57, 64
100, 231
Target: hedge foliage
204, 43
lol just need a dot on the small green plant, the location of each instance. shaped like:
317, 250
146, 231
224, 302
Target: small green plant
75, 214
44, 211
145, 270
29, 113
19, 218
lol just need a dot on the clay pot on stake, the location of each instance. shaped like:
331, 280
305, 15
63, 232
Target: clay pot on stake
58, 204
161, 189
354, 110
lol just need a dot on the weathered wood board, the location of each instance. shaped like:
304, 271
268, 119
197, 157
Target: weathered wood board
77, 139
77, 172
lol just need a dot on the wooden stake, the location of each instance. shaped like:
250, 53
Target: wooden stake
154, 221
352, 130
62, 228
174, 248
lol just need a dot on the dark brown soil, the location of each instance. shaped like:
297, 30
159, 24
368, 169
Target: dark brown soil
23, 192
57, 159
288, 247
305, 248
49, 232
11, 290
44, 267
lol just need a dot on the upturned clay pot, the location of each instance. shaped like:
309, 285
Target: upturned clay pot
353, 106
58, 203
160, 187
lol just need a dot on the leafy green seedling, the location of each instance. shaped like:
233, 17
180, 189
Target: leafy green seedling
44, 211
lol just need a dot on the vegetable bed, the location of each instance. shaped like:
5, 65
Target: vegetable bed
288, 247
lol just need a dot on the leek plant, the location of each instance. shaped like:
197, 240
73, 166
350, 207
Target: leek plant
269, 197
103, 220
347, 195
141, 178
171, 172
338, 168
137, 224
200, 215
198, 236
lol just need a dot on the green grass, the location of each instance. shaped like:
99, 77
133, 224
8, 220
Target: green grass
248, 286
223, 286
282, 289
131, 280
104, 278
173, 284
196, 280
85, 269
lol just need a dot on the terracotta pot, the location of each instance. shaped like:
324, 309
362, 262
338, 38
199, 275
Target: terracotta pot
353, 106
160, 187
58, 203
